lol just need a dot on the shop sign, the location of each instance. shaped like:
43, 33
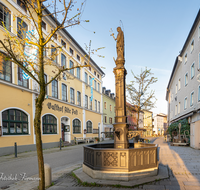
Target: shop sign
62, 109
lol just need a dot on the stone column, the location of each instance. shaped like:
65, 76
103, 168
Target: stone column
120, 125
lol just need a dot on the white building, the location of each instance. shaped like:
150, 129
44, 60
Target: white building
183, 90
159, 123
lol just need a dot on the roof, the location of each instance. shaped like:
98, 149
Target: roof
73, 40
183, 49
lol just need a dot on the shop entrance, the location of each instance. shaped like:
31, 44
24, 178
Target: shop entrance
65, 129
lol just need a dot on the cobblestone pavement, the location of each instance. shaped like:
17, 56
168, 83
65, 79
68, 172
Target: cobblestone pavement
183, 165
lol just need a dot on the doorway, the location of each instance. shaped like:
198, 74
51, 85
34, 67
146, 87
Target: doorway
65, 129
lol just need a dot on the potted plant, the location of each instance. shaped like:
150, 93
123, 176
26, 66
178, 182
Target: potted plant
97, 139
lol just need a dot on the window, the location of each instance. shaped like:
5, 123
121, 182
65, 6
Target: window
5, 17
89, 68
53, 54
105, 119
55, 35
71, 51
78, 98
21, 81
179, 107
44, 25
105, 105
95, 84
95, 73
98, 76
98, 87
72, 95
90, 103
185, 103
49, 124
199, 31
5, 69
63, 43
71, 65
86, 101
76, 126
89, 126
199, 94
21, 4
110, 107
199, 60
63, 60
95, 105
176, 88
45, 80
98, 106
22, 27
179, 84
192, 71
55, 88
78, 57
110, 120
186, 79
64, 92
78, 72
185, 58
15, 122
176, 110
86, 78
192, 46
192, 99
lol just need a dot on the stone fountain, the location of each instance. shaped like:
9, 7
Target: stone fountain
122, 160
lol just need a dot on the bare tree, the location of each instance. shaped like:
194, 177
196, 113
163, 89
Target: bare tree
17, 46
139, 94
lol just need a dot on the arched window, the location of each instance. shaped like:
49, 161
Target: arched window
76, 126
5, 17
15, 122
49, 124
89, 126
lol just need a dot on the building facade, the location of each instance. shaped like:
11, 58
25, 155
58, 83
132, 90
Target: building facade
68, 111
183, 90
148, 128
160, 122
108, 110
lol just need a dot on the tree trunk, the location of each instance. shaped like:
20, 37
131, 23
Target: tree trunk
138, 117
37, 124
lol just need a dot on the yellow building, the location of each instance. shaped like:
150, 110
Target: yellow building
148, 122
67, 110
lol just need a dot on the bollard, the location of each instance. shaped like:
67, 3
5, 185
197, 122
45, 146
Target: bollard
47, 175
60, 143
15, 150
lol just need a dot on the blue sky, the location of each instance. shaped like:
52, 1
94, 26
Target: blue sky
155, 31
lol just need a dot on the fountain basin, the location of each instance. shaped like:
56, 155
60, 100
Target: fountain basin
103, 161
